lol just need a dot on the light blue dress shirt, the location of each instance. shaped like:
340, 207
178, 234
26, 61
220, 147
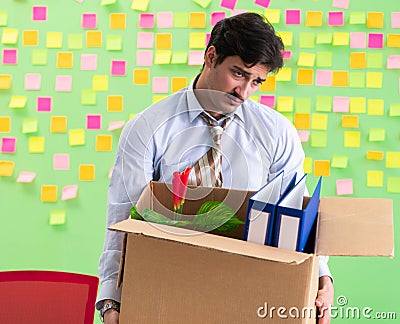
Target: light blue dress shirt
169, 136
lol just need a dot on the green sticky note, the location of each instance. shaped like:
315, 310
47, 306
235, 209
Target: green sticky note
39, 57
324, 38
88, 97
114, 43
57, 217
3, 18
339, 161
162, 57
303, 105
307, 40
108, 2
75, 41
323, 103
318, 139
181, 19
29, 125
374, 61
357, 80
393, 185
324, 59
357, 18
394, 110
179, 57
203, 3
376, 134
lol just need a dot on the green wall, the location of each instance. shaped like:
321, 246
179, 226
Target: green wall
29, 240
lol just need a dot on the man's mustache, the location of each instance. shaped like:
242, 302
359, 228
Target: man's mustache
236, 96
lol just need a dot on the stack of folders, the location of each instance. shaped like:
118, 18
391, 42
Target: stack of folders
286, 220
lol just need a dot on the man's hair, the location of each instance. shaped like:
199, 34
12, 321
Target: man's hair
251, 37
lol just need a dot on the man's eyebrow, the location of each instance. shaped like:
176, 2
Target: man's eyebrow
248, 73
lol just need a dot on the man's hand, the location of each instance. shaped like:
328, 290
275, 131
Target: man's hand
111, 317
324, 300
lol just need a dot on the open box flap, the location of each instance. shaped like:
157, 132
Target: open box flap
355, 227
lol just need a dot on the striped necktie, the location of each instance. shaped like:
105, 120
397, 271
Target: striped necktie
207, 171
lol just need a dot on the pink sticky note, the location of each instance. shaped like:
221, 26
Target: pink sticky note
118, 68
395, 19
208, 36
269, 101
375, 40
69, 192
146, 20
32, 81
303, 135
89, 20
43, 104
263, 3
116, 125
144, 58
292, 17
229, 4
238, 12
344, 187
64, 83
39, 13
145, 40
335, 18
89, 62
26, 177
93, 122
61, 161
324, 78
160, 84
10, 56
196, 58
341, 104
358, 40
393, 62
165, 20
344, 4
217, 16
286, 55
110, 172
8, 144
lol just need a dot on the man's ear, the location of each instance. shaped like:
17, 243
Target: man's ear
210, 57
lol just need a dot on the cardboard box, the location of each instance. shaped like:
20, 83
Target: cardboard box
173, 275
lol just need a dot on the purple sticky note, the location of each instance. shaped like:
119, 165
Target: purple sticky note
286, 55
89, 20
118, 68
64, 83
32, 81
145, 40
39, 13
293, 17
263, 3
229, 4
69, 192
10, 56
304, 135
358, 40
393, 62
395, 19
26, 177
8, 144
89, 62
196, 58
93, 122
165, 20
344, 187
146, 20
268, 101
43, 104
160, 84
116, 125
144, 58
375, 40
335, 18
324, 78
341, 104
61, 161
217, 16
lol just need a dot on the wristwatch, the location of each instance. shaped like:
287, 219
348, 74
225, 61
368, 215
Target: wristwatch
107, 306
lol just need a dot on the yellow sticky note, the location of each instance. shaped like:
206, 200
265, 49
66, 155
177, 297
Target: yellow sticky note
117, 21
163, 41
302, 121
5, 124
9, 36
319, 121
357, 105
115, 103
358, 60
48, 193
103, 143
57, 217
375, 20
340, 78
287, 38
393, 40
58, 124
314, 18
86, 172
284, 74
269, 84
17, 102
340, 38
36, 144
30, 37
351, 139
376, 107
177, 83
349, 121
307, 165
141, 76
273, 15
305, 76
197, 20
375, 155
374, 178
76, 137
100, 83
6, 168
197, 40
393, 159
93, 38
162, 57
54, 40
140, 5
322, 168
157, 98
285, 104
64, 60
374, 80
5, 81
306, 59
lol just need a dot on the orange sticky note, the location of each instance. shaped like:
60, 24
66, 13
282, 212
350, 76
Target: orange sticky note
48, 193
393, 40
197, 20
177, 83
58, 124
103, 143
117, 20
115, 103
93, 38
340, 78
6, 168
64, 60
302, 121
375, 19
349, 121
30, 37
314, 18
5, 124
5, 81
269, 84
351, 139
305, 76
163, 41
375, 155
322, 168
358, 60
141, 76
86, 172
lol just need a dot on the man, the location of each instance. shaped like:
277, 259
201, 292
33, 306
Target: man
257, 142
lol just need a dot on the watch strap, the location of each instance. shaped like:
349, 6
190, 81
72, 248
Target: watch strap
107, 306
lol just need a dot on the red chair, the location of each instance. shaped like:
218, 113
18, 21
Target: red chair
47, 297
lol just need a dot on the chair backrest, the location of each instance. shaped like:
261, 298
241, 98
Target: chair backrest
47, 297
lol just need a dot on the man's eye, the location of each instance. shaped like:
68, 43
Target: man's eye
238, 73
257, 82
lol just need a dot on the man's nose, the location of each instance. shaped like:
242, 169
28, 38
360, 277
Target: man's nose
243, 89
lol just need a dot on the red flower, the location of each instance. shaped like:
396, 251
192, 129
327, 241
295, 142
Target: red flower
179, 187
